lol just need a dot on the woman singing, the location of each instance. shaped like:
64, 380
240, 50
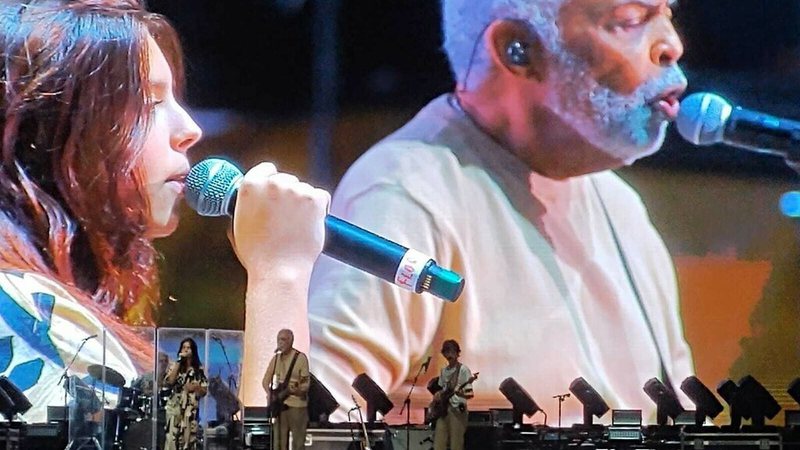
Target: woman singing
93, 156
189, 385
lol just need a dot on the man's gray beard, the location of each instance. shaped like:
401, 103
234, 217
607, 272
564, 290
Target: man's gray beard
624, 127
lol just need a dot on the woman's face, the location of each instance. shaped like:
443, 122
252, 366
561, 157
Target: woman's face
164, 160
186, 349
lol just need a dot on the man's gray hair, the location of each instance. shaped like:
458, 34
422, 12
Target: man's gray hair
287, 331
464, 22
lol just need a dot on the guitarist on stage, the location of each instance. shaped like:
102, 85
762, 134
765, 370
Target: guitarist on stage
450, 403
286, 382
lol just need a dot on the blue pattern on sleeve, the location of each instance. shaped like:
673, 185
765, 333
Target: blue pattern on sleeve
6, 353
34, 332
25, 375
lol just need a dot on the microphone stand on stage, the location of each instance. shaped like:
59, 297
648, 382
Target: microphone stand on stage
407, 402
64, 376
272, 416
231, 376
561, 398
66, 380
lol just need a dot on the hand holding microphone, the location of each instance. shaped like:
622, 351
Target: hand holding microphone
281, 215
283, 219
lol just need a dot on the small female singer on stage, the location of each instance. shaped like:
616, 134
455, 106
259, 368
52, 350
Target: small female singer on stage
189, 385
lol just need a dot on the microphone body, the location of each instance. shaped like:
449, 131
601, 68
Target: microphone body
706, 119
211, 189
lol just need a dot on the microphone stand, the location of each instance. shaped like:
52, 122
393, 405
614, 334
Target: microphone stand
271, 416
66, 382
407, 403
231, 377
561, 398
65, 377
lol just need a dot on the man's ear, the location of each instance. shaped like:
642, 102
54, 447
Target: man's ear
514, 48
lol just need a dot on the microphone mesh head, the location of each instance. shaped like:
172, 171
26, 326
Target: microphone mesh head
702, 117
210, 185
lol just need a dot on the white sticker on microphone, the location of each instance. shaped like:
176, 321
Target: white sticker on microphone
410, 269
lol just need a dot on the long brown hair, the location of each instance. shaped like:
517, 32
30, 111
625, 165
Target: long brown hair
74, 115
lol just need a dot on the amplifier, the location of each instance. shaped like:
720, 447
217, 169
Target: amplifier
618, 433
56, 413
45, 429
256, 437
417, 438
44, 436
502, 416
479, 418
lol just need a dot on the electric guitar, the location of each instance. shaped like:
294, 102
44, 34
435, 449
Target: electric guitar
277, 396
439, 405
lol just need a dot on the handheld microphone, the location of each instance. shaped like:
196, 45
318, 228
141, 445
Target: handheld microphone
211, 188
705, 119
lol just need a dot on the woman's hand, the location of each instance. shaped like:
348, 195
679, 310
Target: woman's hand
279, 221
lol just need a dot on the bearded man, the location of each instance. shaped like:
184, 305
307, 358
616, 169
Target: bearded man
508, 181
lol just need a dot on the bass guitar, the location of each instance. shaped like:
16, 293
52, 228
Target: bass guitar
439, 405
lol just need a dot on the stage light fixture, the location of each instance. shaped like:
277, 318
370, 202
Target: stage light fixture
12, 400
737, 407
521, 401
593, 403
762, 404
794, 390
377, 401
321, 403
706, 404
792, 417
667, 404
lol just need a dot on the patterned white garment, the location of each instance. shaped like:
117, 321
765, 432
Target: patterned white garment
41, 327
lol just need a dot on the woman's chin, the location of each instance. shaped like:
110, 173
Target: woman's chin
161, 230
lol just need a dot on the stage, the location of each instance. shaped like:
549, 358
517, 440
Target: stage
345, 436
